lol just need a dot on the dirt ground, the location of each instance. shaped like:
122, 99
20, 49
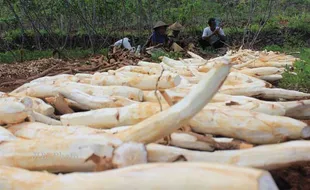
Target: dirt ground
12, 76
15, 74
296, 177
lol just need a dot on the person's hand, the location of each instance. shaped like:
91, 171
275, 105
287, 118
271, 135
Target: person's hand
216, 32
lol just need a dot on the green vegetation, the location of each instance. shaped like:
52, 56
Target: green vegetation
297, 78
86, 23
301, 79
159, 53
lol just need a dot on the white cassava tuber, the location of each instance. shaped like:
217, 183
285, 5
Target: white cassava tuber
71, 154
12, 112
168, 121
113, 117
253, 127
180, 176
267, 157
140, 81
89, 102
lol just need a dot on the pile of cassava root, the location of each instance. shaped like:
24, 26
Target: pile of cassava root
220, 120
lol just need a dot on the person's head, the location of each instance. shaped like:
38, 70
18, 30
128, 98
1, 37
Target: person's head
161, 30
160, 27
212, 23
176, 29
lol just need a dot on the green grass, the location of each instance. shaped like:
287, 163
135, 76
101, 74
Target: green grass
158, 53
301, 80
8, 57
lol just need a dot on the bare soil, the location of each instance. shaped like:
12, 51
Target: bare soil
16, 74
296, 177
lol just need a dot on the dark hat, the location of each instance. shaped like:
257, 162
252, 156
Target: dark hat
176, 26
160, 24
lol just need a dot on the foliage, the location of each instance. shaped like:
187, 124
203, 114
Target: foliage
111, 17
157, 54
298, 77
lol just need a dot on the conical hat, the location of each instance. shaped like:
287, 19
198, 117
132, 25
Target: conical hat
160, 24
176, 26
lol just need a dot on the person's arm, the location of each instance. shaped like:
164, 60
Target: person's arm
147, 43
221, 34
169, 41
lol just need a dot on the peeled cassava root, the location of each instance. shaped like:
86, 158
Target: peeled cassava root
6, 135
37, 117
262, 71
144, 176
71, 104
149, 130
12, 112
267, 93
295, 109
167, 121
176, 94
196, 141
113, 117
150, 96
141, 81
35, 130
253, 127
89, 102
36, 104
81, 153
60, 104
179, 139
47, 90
267, 157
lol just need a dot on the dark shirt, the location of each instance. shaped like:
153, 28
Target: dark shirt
156, 39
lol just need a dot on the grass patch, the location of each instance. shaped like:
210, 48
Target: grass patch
299, 81
156, 54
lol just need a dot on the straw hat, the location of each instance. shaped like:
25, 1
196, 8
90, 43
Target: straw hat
176, 26
160, 24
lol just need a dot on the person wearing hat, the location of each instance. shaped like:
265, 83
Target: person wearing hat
159, 36
175, 43
176, 29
